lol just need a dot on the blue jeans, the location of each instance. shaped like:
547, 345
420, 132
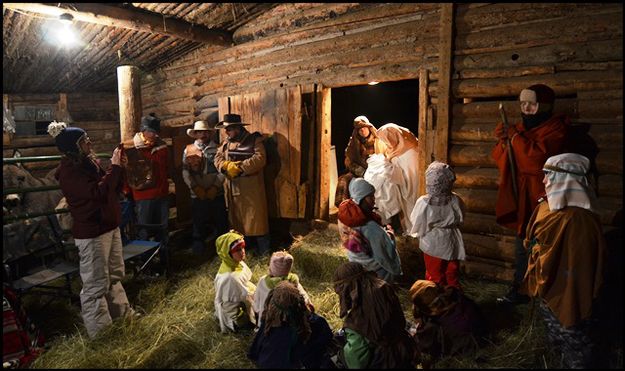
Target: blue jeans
155, 212
202, 210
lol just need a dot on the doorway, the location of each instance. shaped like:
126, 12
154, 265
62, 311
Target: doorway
393, 101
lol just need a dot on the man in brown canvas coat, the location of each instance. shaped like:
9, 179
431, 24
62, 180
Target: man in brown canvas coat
242, 158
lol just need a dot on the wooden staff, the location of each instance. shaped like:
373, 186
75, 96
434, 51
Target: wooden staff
509, 151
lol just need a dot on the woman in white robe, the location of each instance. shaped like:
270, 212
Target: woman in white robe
397, 179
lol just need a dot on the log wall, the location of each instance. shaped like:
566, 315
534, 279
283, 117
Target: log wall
96, 113
497, 50
500, 49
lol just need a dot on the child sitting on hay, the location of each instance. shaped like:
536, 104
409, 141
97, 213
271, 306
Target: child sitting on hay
280, 265
290, 335
233, 289
446, 321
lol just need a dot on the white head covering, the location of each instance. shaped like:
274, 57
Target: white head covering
439, 179
567, 184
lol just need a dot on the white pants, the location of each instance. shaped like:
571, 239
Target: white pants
102, 297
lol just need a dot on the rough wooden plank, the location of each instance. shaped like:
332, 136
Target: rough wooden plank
547, 55
324, 148
462, 155
481, 201
484, 224
581, 28
500, 248
423, 126
564, 83
444, 70
476, 177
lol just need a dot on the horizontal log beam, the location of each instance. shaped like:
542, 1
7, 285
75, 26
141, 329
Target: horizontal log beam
500, 248
144, 21
486, 268
470, 177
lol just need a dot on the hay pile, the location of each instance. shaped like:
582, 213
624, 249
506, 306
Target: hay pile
178, 329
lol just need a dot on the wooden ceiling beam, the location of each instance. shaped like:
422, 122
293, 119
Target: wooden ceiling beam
138, 20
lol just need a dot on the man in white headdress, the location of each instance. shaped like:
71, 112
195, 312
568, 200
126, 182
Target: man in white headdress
566, 257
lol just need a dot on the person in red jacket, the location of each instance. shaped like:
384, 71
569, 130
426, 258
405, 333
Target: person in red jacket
540, 135
93, 198
147, 180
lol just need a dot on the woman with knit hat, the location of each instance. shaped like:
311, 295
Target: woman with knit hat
280, 265
369, 242
93, 198
436, 219
374, 322
290, 335
234, 290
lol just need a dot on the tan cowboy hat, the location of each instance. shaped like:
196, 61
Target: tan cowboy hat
229, 120
200, 125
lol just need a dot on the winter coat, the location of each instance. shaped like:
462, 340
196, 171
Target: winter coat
92, 195
245, 194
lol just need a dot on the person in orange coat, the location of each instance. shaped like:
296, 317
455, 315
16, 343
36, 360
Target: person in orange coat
540, 135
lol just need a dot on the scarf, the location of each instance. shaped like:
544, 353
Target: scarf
286, 306
272, 282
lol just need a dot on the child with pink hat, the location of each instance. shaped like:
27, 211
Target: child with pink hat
280, 265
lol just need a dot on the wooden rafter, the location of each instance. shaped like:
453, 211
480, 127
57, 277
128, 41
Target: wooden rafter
131, 19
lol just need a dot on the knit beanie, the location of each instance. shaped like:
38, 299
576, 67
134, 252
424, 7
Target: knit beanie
150, 123
359, 188
280, 263
66, 138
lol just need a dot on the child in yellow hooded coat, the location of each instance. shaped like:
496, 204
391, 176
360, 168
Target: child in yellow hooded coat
234, 290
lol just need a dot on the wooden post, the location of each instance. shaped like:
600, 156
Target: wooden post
444, 81
323, 147
130, 108
424, 154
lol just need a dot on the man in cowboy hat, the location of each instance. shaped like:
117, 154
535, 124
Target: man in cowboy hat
204, 182
241, 158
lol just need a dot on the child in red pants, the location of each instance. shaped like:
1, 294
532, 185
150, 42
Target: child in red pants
436, 218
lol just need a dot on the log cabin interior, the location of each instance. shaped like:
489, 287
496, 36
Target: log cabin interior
299, 73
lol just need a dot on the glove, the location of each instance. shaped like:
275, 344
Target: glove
211, 192
233, 170
199, 192
224, 166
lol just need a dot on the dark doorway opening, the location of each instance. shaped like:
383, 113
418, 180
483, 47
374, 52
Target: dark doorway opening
395, 101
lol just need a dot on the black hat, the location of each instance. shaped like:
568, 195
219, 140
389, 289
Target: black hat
230, 119
150, 123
